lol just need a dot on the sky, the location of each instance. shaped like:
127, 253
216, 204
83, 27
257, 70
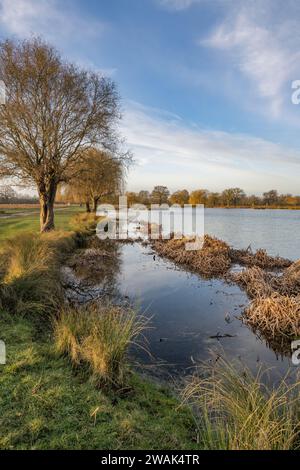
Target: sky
205, 85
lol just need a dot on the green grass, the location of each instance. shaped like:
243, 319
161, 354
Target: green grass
48, 401
9, 227
46, 404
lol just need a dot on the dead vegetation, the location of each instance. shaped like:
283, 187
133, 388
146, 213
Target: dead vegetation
97, 263
272, 283
260, 283
275, 308
216, 257
211, 261
260, 259
275, 315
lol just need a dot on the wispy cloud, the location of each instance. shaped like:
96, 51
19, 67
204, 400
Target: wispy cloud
51, 18
170, 152
262, 47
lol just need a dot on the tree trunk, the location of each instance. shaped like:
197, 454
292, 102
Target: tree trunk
43, 211
88, 207
95, 204
47, 199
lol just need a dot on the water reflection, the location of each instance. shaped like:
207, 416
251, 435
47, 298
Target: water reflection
190, 316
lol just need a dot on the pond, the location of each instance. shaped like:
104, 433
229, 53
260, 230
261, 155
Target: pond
191, 316
278, 231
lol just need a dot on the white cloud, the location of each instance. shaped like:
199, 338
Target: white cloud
51, 18
263, 49
168, 151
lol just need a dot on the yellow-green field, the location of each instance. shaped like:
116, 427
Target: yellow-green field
11, 225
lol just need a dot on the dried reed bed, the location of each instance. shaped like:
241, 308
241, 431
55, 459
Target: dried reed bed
290, 280
255, 281
216, 257
275, 315
260, 283
211, 260
275, 309
260, 258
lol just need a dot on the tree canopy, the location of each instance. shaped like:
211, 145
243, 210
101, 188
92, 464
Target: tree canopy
54, 112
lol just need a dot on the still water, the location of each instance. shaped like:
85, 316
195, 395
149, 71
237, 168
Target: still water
191, 316
278, 231
187, 316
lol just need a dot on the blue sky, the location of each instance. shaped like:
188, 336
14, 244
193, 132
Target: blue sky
205, 84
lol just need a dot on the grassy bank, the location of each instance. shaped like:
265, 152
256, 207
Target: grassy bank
68, 382
54, 396
47, 404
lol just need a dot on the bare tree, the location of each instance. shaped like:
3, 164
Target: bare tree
99, 174
7, 194
54, 111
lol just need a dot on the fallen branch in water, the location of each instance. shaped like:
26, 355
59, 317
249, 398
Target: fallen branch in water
225, 335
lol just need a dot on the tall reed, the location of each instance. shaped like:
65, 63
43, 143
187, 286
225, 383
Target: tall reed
236, 411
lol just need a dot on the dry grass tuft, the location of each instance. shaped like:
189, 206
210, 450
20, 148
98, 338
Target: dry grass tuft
30, 279
30, 271
275, 315
237, 412
100, 338
255, 281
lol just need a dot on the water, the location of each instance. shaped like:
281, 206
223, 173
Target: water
189, 314
186, 312
278, 231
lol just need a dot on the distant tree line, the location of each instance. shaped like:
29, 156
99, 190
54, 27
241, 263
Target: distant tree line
231, 197
9, 196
